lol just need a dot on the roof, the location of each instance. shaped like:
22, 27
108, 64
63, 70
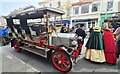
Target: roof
36, 13
81, 2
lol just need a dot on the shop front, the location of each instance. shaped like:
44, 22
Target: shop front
88, 23
109, 17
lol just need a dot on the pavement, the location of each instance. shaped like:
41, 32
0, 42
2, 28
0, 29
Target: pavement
9, 63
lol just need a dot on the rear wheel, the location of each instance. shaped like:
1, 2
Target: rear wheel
16, 46
61, 61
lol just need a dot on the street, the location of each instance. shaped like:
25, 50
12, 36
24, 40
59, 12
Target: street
40, 64
64, 28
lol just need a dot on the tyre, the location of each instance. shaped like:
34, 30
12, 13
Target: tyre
16, 46
3, 42
61, 61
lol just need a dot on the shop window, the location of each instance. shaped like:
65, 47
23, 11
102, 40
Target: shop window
93, 23
95, 7
89, 24
76, 10
85, 9
109, 5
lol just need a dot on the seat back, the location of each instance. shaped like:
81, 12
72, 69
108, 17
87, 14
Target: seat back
33, 33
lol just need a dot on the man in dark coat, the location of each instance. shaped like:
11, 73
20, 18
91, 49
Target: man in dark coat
81, 32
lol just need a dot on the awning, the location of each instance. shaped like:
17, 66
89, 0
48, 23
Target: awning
63, 22
83, 20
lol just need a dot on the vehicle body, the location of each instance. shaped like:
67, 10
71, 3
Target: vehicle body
42, 38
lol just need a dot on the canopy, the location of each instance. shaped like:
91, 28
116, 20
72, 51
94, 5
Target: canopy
36, 13
32, 14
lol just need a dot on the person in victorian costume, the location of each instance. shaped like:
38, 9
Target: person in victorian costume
109, 46
94, 45
117, 34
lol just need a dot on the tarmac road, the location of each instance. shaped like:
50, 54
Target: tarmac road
43, 65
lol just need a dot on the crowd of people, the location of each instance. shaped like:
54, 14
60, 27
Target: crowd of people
101, 45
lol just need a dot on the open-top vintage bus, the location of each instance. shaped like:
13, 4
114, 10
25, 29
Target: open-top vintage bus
43, 37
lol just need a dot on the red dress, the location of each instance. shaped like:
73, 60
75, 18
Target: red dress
110, 47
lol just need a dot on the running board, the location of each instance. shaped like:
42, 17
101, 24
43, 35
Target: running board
41, 52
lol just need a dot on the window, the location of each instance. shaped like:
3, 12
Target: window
43, 5
76, 10
85, 9
74, 1
16, 21
1, 24
109, 5
95, 7
59, 4
50, 4
68, 12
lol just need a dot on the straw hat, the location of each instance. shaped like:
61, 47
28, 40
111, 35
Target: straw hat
96, 28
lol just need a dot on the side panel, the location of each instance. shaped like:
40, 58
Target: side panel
62, 39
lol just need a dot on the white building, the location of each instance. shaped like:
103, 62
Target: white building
89, 11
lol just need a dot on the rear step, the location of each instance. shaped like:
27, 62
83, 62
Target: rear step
42, 52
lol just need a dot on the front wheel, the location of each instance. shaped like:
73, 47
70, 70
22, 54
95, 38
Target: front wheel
16, 46
61, 61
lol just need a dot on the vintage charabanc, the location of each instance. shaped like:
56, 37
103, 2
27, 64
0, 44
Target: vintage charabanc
38, 31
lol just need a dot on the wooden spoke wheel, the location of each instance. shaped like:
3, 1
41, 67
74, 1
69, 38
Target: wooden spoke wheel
61, 61
16, 46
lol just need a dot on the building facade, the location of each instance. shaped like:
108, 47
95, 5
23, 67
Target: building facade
110, 8
88, 12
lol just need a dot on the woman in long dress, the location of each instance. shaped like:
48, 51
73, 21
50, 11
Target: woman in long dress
95, 51
109, 46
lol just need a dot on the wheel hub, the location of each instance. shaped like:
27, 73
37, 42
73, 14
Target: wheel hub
59, 62
15, 45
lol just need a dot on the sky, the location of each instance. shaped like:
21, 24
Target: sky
7, 6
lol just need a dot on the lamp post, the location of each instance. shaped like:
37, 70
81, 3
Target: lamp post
68, 13
106, 9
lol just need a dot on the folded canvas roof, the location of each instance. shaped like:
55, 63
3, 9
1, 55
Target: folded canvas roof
36, 13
